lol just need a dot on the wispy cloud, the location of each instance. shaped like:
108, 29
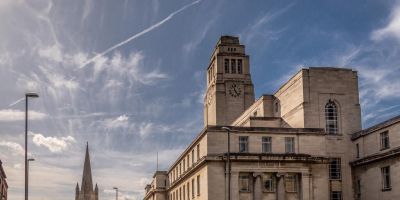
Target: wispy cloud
391, 29
169, 17
8, 115
53, 144
260, 24
14, 147
118, 122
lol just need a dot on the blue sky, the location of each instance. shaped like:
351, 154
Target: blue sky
128, 76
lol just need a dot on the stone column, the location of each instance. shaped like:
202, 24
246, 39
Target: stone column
280, 189
234, 186
306, 187
257, 186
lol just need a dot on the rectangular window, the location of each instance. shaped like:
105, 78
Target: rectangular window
198, 151
192, 188
198, 185
269, 182
180, 169
244, 181
187, 160
386, 184
184, 165
233, 66
357, 150
188, 190
335, 169
226, 64
183, 192
291, 183
240, 68
266, 144
192, 156
289, 144
358, 189
180, 193
336, 195
385, 140
243, 144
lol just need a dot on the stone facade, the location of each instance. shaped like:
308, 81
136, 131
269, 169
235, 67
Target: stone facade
374, 150
86, 191
297, 143
3, 183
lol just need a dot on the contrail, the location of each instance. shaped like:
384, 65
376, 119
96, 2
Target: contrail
139, 34
15, 102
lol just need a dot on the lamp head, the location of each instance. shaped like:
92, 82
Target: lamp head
226, 128
115, 188
32, 95
31, 159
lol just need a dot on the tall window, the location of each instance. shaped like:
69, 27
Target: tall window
289, 144
244, 183
226, 64
240, 68
385, 140
291, 183
192, 156
386, 184
187, 160
183, 192
334, 169
188, 190
184, 165
358, 189
357, 150
198, 151
331, 118
336, 195
198, 185
192, 188
243, 144
266, 144
233, 66
269, 182
180, 193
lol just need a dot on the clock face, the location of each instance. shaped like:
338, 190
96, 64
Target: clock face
234, 90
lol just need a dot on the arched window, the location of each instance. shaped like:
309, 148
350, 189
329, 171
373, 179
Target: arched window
331, 118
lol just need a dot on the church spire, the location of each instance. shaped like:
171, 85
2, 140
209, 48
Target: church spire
87, 185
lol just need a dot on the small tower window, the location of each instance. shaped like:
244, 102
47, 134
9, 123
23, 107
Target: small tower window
240, 66
226, 64
233, 66
331, 118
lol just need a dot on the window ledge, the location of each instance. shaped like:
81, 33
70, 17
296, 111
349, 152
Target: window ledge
242, 191
382, 149
386, 189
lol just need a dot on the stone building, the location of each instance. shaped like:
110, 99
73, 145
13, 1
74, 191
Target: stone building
298, 143
86, 191
3, 183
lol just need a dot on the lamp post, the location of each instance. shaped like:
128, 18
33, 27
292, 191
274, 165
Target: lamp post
27, 96
116, 193
228, 130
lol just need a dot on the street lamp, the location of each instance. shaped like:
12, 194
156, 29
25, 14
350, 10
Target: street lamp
116, 193
27, 96
228, 130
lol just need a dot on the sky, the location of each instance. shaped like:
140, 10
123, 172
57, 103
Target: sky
128, 76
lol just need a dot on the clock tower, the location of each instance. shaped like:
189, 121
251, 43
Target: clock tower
229, 87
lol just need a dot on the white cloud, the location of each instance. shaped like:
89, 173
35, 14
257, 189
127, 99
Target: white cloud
392, 29
52, 53
54, 144
119, 122
8, 115
15, 147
